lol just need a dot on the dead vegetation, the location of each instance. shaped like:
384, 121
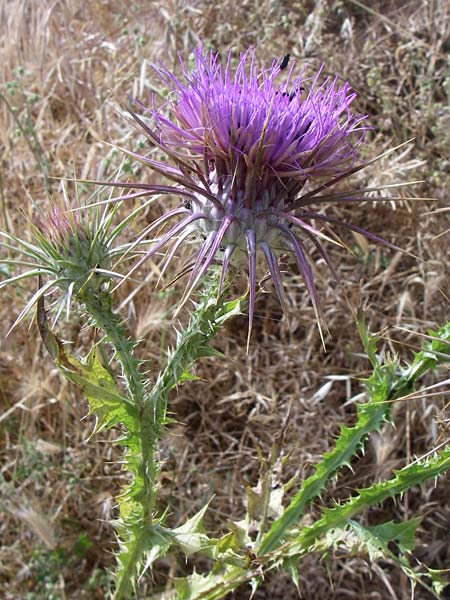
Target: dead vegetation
66, 68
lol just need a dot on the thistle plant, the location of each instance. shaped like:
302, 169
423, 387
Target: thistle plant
249, 150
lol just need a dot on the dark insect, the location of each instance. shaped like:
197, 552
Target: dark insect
285, 61
291, 95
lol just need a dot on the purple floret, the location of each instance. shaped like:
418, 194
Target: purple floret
244, 141
277, 127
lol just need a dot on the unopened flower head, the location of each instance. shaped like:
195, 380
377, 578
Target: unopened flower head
79, 252
243, 142
70, 252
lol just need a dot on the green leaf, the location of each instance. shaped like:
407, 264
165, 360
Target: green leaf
105, 401
403, 533
139, 548
386, 383
436, 351
190, 536
212, 586
371, 540
339, 516
230, 544
370, 416
196, 586
290, 566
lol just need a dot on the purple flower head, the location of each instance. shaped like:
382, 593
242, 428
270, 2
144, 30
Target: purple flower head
249, 119
244, 141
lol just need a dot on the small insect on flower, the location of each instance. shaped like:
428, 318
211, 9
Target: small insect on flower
284, 62
242, 143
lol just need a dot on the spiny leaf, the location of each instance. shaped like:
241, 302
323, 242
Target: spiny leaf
404, 479
231, 543
190, 536
212, 586
100, 308
386, 383
290, 566
190, 543
196, 585
370, 415
105, 401
136, 542
434, 352
372, 541
403, 533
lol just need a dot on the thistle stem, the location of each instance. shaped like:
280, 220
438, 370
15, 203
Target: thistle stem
138, 501
192, 343
100, 308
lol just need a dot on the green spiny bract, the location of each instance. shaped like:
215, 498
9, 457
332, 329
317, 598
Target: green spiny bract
81, 255
71, 253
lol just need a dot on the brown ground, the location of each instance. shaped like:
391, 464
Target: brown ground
65, 68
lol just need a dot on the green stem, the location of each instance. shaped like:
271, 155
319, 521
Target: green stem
99, 306
127, 573
136, 527
148, 423
148, 430
192, 343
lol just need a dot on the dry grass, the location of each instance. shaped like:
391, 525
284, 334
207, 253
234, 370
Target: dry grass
65, 69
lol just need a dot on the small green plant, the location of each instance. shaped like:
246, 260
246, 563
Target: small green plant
242, 148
